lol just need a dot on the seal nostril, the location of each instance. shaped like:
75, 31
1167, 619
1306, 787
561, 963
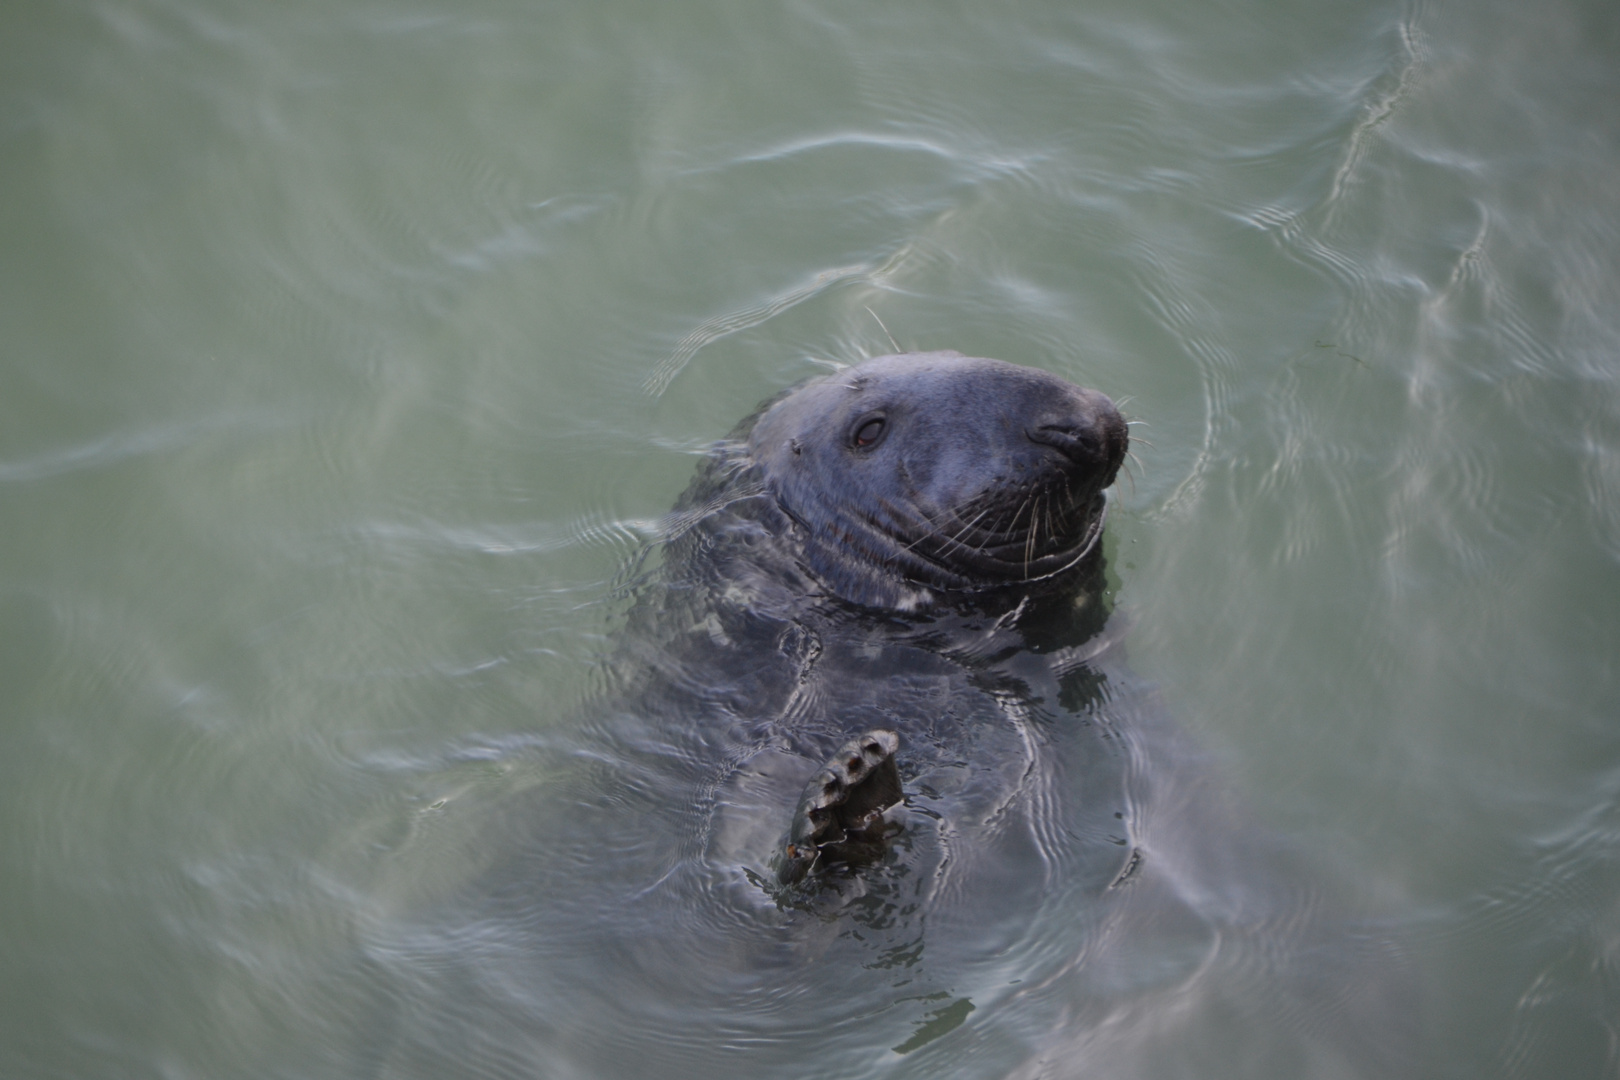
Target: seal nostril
1075, 441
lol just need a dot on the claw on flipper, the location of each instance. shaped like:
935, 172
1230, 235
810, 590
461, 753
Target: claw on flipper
841, 816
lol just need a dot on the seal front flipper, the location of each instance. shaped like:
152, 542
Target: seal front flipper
841, 816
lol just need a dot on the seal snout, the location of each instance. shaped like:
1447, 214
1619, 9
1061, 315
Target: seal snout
1091, 435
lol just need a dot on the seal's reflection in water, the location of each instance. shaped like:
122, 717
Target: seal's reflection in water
909, 546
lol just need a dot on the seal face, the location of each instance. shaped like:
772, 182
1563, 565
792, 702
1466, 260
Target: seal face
912, 474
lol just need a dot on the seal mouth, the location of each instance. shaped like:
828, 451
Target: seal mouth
991, 543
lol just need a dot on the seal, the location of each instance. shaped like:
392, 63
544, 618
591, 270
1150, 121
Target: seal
860, 509
864, 775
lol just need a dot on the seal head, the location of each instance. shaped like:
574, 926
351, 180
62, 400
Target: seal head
920, 473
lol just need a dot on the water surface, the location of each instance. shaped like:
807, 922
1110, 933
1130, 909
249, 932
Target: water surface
353, 350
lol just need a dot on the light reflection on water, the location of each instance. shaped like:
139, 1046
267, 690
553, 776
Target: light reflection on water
353, 352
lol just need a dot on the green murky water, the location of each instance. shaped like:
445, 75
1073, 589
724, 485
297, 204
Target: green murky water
350, 351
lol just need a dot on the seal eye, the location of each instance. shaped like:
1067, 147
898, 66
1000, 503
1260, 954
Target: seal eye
869, 433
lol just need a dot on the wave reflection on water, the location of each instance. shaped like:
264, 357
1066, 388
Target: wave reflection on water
329, 454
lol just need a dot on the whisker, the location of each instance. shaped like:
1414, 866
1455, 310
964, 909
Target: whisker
1029, 544
1008, 524
955, 537
969, 524
886, 333
949, 532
